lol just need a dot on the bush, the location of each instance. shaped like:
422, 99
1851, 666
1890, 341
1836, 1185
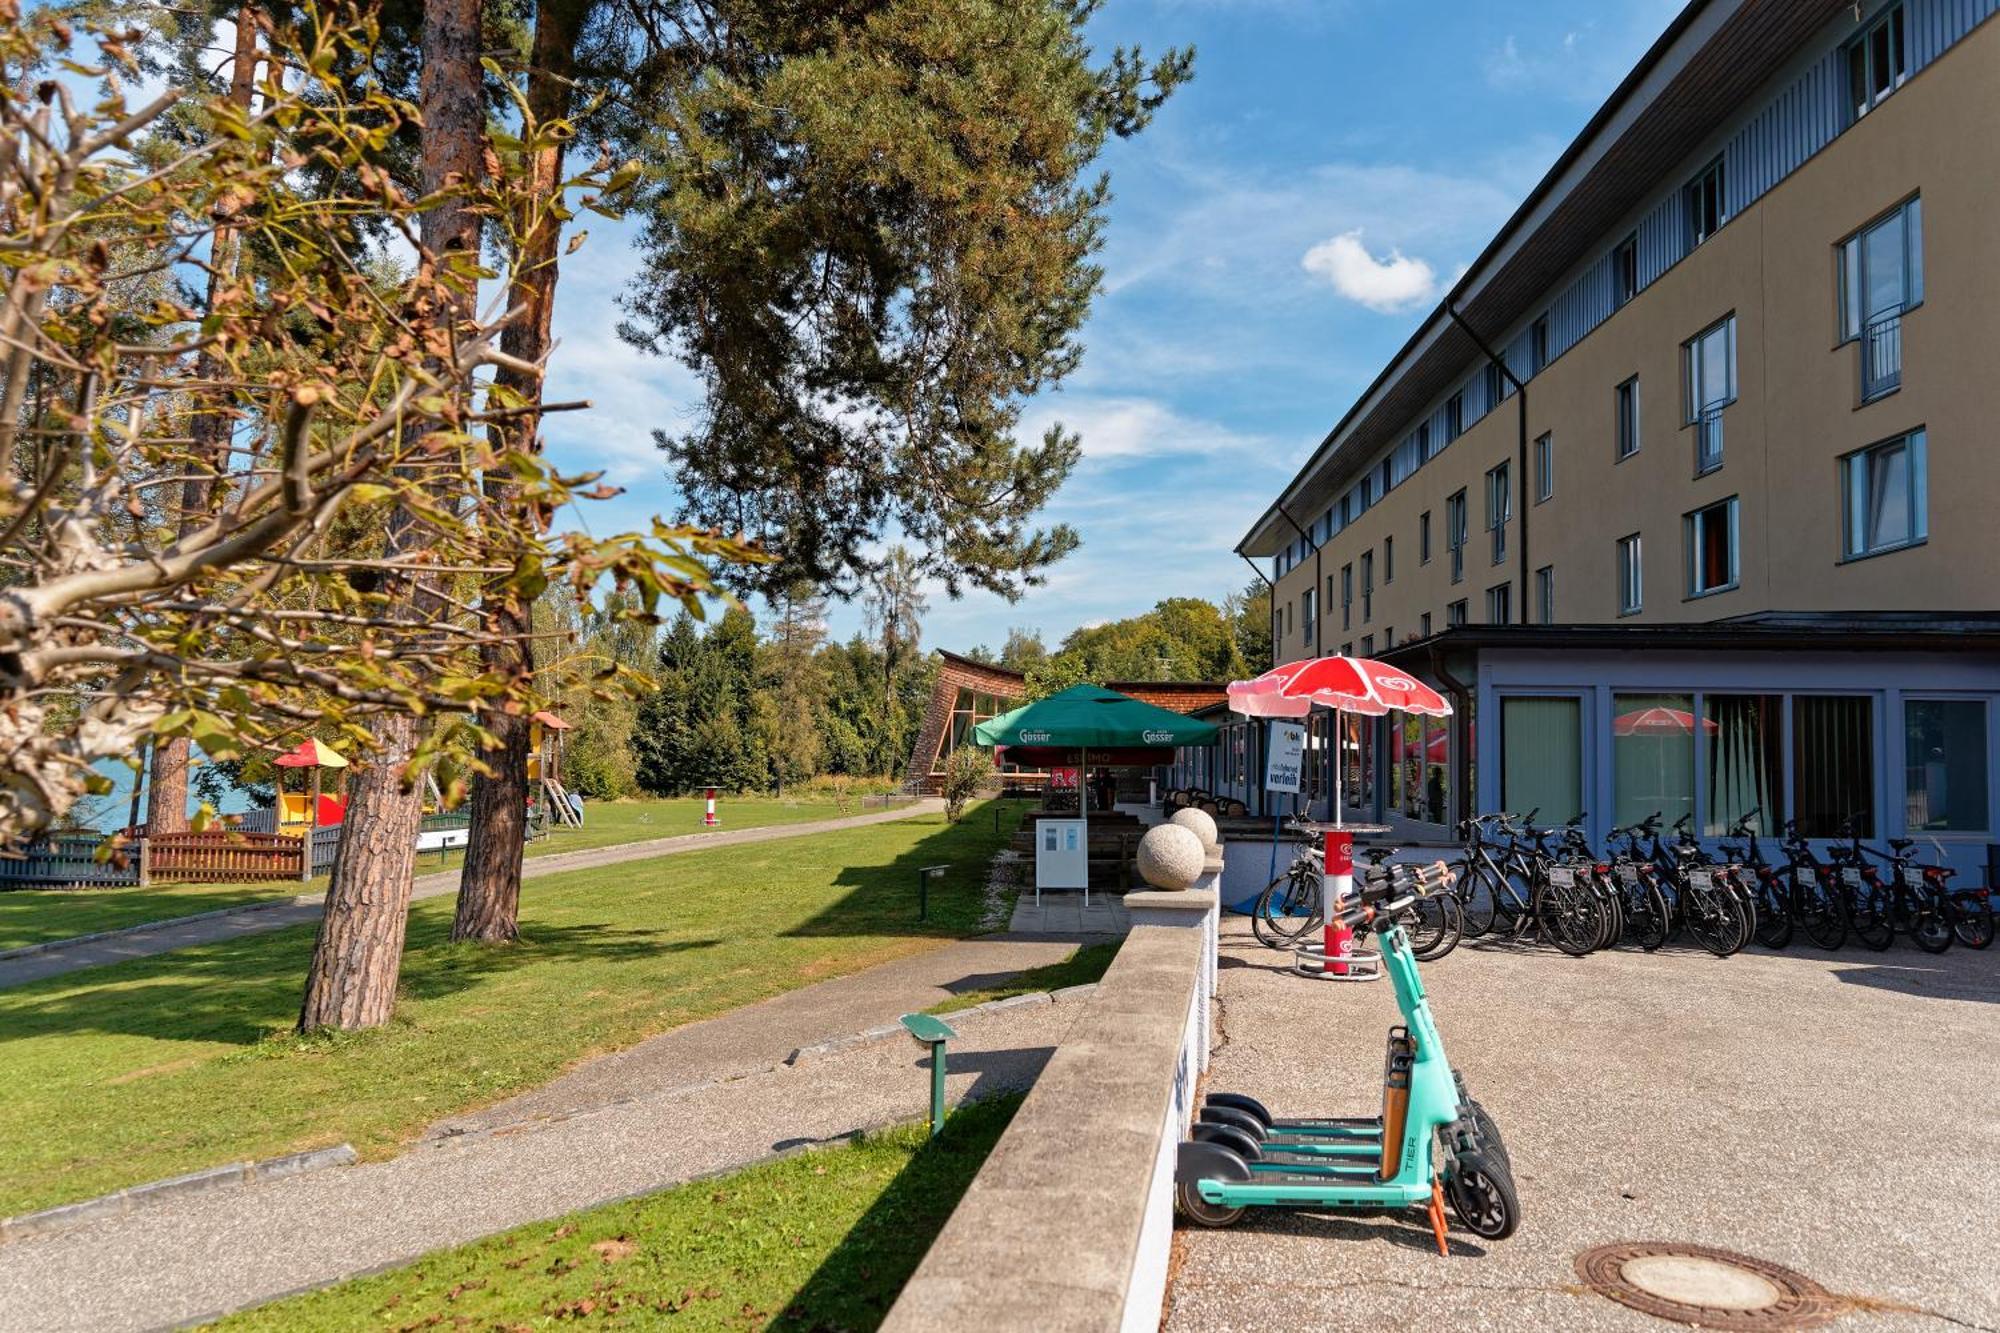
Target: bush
964, 774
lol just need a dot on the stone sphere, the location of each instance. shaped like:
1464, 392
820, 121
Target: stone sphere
1171, 857
1198, 822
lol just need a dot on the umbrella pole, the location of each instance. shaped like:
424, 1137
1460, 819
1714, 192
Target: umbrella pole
1339, 768
1083, 809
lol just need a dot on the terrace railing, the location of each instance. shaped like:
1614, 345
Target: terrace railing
1882, 356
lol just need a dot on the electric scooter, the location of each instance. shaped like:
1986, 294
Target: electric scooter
1432, 1143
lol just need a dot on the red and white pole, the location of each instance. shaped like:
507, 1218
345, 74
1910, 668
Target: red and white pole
1335, 889
709, 818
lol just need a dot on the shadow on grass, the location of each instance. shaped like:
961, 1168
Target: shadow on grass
885, 899
244, 990
857, 1283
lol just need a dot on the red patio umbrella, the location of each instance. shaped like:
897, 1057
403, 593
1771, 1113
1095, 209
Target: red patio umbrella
1659, 721
1345, 685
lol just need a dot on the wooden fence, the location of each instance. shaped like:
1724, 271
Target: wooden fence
220, 856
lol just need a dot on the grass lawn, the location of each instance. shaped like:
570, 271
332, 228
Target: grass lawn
143, 1069
1081, 968
36, 916
819, 1240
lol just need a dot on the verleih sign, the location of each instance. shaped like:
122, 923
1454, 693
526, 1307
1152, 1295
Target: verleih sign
1286, 756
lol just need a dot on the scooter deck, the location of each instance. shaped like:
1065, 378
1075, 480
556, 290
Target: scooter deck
1287, 1164
1276, 1189
1357, 1131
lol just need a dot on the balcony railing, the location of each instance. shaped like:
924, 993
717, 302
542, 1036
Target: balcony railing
1708, 439
1882, 356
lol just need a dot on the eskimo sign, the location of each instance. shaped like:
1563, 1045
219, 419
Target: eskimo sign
1287, 756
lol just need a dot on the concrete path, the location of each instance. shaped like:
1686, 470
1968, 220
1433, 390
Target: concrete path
207, 1254
1061, 913
209, 928
1834, 1113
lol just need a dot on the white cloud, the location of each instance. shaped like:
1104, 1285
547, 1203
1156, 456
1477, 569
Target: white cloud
1394, 282
1123, 428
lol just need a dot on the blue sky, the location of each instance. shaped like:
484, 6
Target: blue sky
1275, 236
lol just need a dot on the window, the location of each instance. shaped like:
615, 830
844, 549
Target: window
1388, 561
1541, 756
1455, 533
1833, 763
1346, 596
1496, 385
1424, 625
1306, 608
1538, 345
1706, 207
1875, 65
1329, 590
1455, 614
1424, 538
1881, 277
1454, 417
969, 708
1388, 637
1652, 756
1626, 400
1545, 467
1711, 379
1631, 580
1743, 739
1368, 645
1500, 604
1367, 586
1885, 497
1711, 548
1545, 595
1944, 765
1499, 508
1625, 271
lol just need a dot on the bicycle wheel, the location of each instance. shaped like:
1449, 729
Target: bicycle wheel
1613, 905
1868, 917
1819, 913
1714, 919
1974, 923
1744, 905
1438, 922
1569, 917
1933, 923
1646, 915
1774, 922
1285, 910
1474, 890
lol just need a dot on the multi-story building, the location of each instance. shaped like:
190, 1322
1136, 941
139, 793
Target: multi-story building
1683, 489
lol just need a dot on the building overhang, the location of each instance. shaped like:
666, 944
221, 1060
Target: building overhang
1769, 631
1711, 58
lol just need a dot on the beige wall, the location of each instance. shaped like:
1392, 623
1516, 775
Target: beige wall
1796, 411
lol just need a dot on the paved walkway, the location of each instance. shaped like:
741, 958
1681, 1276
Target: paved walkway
1834, 1113
184, 932
707, 1098
1061, 913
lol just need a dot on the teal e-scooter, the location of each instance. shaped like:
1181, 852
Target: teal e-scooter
1432, 1144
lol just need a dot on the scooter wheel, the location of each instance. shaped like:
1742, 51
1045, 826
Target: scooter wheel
1489, 1134
1237, 1101
1482, 1196
1229, 1115
1230, 1137
1187, 1198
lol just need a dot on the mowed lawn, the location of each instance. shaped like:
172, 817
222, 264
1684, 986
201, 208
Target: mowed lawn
31, 916
820, 1240
138, 1070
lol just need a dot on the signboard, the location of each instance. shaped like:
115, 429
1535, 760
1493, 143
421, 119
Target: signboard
1286, 758
1063, 779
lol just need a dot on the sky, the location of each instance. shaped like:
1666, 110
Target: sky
1275, 235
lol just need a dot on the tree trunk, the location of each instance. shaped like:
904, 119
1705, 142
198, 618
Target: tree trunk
167, 795
489, 888
352, 980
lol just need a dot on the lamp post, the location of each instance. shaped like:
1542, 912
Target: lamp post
929, 1030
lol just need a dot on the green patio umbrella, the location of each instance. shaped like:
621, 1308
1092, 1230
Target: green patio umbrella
1090, 716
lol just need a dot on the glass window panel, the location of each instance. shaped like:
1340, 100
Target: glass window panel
1833, 764
1882, 260
1714, 369
1541, 756
1652, 756
1944, 757
1437, 741
1744, 737
1850, 289
1913, 240
1888, 497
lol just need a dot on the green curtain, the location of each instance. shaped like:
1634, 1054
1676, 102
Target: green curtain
1745, 760
1541, 756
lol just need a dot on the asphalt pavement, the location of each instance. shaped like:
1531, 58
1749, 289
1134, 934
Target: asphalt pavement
1834, 1113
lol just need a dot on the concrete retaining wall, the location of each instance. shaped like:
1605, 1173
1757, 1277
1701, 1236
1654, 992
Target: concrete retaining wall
1069, 1223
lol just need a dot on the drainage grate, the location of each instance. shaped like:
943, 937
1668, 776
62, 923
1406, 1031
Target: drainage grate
1707, 1287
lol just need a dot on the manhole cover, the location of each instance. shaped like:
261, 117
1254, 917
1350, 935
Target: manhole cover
1696, 1284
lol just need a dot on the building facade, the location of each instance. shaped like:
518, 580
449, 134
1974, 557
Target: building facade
1729, 366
